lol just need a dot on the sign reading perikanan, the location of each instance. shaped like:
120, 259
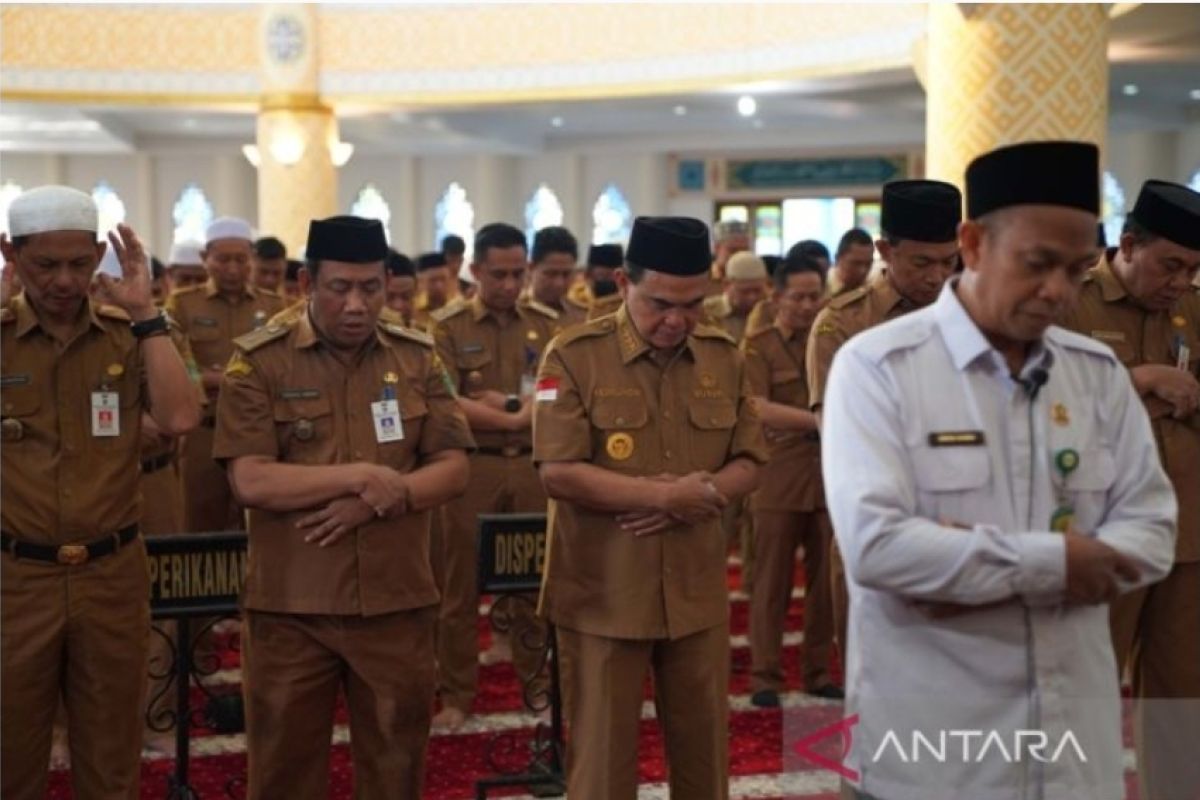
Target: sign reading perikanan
196, 573
512, 552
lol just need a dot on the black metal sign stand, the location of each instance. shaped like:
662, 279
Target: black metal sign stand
198, 610
513, 576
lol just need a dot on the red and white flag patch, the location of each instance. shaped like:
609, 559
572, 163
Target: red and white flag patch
547, 390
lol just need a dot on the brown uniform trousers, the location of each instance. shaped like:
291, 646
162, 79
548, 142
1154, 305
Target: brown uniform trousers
789, 513
486, 350
356, 616
622, 603
79, 632
845, 315
211, 322
1155, 630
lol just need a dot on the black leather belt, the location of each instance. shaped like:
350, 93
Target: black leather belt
69, 554
150, 465
508, 452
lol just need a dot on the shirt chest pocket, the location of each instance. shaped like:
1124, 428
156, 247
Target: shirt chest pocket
402, 454
19, 404
787, 386
711, 432
305, 430
620, 439
1087, 486
475, 371
950, 482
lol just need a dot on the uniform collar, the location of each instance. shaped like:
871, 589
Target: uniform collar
27, 318
966, 341
479, 310
888, 294
631, 342
1111, 288
211, 290
306, 336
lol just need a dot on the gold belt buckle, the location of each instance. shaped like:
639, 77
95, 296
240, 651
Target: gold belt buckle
511, 451
72, 554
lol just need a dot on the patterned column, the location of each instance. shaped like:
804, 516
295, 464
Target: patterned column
297, 181
998, 74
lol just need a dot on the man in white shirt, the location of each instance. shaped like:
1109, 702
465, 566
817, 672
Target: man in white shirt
993, 483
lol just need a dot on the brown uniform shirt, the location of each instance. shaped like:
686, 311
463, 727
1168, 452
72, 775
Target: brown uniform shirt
211, 322
59, 484
1107, 313
847, 314
775, 368
615, 407
484, 350
162, 446
286, 396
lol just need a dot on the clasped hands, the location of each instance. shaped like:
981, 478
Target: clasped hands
681, 500
382, 493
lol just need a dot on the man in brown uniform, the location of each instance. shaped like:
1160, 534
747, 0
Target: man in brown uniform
745, 286
211, 316
603, 261
1139, 300
185, 267
401, 292
491, 345
435, 281
730, 238
339, 433
852, 262
919, 221
551, 267
789, 506
643, 433
74, 614
763, 313
269, 265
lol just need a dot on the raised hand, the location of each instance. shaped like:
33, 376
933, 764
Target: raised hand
131, 293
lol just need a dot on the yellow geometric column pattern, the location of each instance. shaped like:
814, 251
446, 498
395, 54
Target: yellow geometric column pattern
297, 181
999, 74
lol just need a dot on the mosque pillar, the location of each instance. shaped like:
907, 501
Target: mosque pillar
296, 133
997, 74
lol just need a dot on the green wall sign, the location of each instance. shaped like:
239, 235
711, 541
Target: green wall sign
812, 173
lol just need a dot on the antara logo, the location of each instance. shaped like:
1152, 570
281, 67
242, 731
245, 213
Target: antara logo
941, 747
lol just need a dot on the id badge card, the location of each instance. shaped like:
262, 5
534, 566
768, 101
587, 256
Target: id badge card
386, 416
106, 414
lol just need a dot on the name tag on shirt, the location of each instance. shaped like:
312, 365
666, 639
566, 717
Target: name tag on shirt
386, 415
106, 414
956, 439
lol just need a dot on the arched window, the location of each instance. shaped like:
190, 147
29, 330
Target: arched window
612, 218
1113, 208
542, 211
8, 192
110, 207
370, 204
192, 214
454, 214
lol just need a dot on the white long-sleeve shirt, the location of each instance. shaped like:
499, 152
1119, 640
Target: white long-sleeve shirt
941, 480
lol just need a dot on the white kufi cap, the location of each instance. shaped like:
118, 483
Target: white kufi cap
52, 208
185, 254
228, 228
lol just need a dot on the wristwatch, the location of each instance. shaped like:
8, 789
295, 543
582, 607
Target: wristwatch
512, 404
155, 326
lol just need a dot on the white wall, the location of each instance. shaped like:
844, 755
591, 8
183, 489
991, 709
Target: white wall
497, 185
